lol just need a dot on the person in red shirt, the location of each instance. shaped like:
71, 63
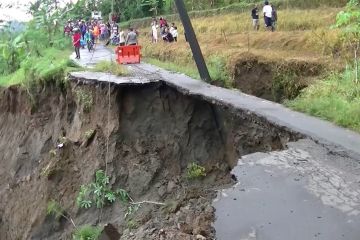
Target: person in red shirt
76, 42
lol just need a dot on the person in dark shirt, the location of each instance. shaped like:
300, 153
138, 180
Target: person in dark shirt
273, 18
168, 37
255, 17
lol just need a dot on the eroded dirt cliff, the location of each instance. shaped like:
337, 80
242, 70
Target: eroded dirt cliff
153, 132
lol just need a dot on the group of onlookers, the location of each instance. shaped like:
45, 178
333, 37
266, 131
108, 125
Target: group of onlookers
91, 32
166, 32
270, 16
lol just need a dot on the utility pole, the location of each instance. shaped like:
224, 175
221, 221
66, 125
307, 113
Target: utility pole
194, 44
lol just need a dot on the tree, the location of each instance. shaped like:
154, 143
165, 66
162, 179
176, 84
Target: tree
349, 23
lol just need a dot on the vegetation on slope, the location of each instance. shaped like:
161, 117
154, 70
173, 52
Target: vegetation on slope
335, 98
39, 53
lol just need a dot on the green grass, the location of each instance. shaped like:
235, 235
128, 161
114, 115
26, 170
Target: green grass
216, 67
189, 70
335, 98
111, 67
87, 232
52, 64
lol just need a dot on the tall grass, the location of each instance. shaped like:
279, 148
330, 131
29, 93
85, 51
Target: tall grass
110, 67
335, 98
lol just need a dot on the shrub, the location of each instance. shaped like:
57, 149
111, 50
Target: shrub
195, 171
54, 208
87, 232
99, 192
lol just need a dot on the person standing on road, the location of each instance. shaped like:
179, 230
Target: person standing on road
255, 17
131, 38
76, 42
121, 38
267, 10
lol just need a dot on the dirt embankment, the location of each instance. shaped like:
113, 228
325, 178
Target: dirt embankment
155, 132
274, 80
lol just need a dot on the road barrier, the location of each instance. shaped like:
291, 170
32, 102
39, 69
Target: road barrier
128, 54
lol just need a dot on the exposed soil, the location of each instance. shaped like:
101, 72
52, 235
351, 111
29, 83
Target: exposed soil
270, 79
155, 132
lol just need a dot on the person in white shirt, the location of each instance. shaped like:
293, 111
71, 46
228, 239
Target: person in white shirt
174, 32
121, 38
267, 10
154, 32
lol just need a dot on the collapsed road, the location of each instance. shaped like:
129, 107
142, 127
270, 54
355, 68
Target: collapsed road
309, 190
292, 176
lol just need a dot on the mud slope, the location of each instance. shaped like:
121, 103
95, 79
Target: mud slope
154, 132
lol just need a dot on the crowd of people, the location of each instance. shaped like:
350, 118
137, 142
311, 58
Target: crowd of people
270, 16
88, 33
162, 29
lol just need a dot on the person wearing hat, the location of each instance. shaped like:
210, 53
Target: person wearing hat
76, 42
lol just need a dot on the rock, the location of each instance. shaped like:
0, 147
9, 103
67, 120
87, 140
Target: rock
171, 186
28, 178
161, 191
200, 237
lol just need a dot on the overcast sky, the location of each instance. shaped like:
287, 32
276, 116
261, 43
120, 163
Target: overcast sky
16, 9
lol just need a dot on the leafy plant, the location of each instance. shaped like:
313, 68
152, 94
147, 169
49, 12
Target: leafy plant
87, 232
195, 171
99, 193
13, 52
132, 209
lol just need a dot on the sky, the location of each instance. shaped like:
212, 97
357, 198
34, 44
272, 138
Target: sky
16, 9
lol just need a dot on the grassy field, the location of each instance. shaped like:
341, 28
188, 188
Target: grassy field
301, 36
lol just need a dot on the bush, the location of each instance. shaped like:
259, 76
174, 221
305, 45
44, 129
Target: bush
195, 171
87, 232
